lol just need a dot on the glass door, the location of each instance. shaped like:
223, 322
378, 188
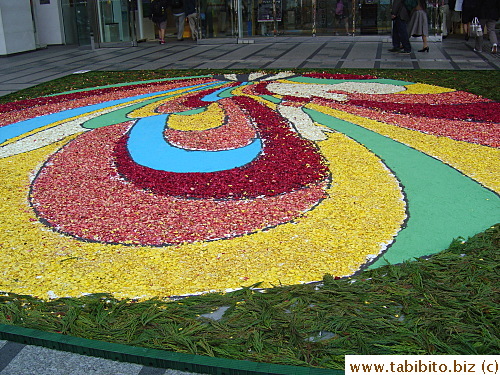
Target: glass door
115, 24
306, 17
99, 23
277, 17
76, 21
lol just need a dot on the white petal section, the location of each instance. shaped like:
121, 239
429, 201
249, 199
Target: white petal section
43, 138
367, 88
231, 77
305, 90
323, 90
302, 123
255, 76
56, 133
280, 75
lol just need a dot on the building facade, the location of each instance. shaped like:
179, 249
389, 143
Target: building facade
29, 24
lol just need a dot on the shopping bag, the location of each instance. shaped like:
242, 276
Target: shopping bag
475, 28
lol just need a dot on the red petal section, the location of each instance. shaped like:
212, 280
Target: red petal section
338, 76
237, 131
482, 112
287, 162
45, 100
486, 134
79, 193
452, 97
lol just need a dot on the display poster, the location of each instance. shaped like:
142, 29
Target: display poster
265, 11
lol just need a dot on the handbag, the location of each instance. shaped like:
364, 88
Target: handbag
475, 28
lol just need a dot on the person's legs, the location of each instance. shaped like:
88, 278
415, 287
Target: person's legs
444, 11
490, 25
425, 48
396, 43
402, 30
346, 23
455, 22
478, 43
192, 25
338, 24
466, 30
180, 19
162, 26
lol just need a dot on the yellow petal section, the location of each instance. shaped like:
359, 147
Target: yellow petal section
476, 161
363, 211
422, 88
211, 118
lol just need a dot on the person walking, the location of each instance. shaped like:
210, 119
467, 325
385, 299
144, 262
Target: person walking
419, 25
180, 17
444, 17
488, 12
469, 9
456, 16
400, 17
192, 17
341, 17
159, 17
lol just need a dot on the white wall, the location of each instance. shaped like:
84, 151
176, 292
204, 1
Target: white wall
144, 26
48, 22
148, 28
16, 27
2, 37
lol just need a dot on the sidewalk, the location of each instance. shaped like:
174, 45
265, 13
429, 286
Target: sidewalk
454, 53
20, 359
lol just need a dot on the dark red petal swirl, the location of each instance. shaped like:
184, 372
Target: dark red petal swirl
287, 162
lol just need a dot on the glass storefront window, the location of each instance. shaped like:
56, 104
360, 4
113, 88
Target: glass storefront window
108, 21
112, 21
278, 17
76, 22
219, 18
297, 17
214, 18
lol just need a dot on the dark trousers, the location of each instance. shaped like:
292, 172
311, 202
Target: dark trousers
400, 35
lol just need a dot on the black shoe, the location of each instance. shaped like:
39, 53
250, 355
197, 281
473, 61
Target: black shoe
394, 50
425, 49
405, 52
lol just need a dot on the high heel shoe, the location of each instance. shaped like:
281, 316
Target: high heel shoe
425, 49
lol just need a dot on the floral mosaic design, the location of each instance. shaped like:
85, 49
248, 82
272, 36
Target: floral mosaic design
186, 185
